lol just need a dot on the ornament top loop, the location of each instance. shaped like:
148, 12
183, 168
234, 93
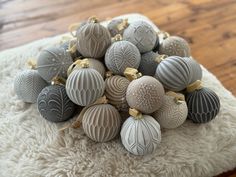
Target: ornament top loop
135, 113
132, 73
117, 37
73, 27
178, 97
164, 33
197, 85
84, 63
58, 81
160, 58
124, 24
93, 19
109, 74
32, 63
72, 47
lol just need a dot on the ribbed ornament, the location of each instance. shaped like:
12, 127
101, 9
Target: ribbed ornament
52, 62
115, 91
28, 84
203, 105
175, 46
141, 136
120, 55
142, 35
101, 122
145, 94
84, 86
54, 104
172, 114
174, 73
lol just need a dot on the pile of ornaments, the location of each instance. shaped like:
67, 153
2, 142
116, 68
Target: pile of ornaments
120, 79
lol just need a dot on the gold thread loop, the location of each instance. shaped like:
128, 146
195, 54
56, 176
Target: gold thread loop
135, 113
117, 37
109, 74
58, 81
72, 47
178, 97
132, 73
93, 19
73, 28
124, 24
197, 85
72, 66
160, 58
164, 33
32, 64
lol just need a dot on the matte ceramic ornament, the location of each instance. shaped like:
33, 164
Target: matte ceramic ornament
115, 91
175, 46
203, 105
174, 73
145, 94
141, 136
101, 122
120, 55
28, 84
84, 86
93, 40
54, 104
117, 26
142, 35
52, 62
172, 113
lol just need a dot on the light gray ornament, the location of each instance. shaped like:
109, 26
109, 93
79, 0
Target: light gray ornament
148, 64
141, 136
145, 94
120, 55
52, 62
142, 35
172, 113
174, 73
117, 26
175, 46
203, 105
101, 122
67, 45
93, 40
115, 91
54, 104
84, 86
28, 84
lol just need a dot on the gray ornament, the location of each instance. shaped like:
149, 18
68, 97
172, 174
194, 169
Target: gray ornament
148, 64
120, 55
141, 136
28, 84
174, 73
142, 35
203, 105
101, 122
117, 26
175, 46
54, 104
52, 62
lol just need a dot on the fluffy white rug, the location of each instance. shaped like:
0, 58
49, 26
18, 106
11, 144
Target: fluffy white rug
32, 147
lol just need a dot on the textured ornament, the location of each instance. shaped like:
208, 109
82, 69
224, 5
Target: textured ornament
145, 94
93, 39
141, 136
142, 35
53, 62
28, 84
115, 91
174, 73
175, 46
84, 86
101, 122
117, 26
172, 113
120, 55
54, 104
203, 105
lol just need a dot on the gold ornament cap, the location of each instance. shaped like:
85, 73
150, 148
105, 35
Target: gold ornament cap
135, 113
132, 74
197, 85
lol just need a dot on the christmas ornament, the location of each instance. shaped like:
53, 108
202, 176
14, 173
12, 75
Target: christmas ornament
175, 46
85, 85
117, 26
173, 111
93, 39
28, 84
53, 61
120, 55
142, 35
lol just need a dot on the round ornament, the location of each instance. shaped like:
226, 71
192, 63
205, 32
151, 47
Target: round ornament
117, 26
115, 91
101, 122
145, 94
54, 104
28, 84
120, 55
93, 39
52, 62
142, 35
173, 111
174, 73
175, 46
141, 136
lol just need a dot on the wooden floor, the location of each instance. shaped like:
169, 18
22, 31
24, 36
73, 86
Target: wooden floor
208, 25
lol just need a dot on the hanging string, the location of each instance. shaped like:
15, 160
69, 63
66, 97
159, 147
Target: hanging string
82, 63
178, 97
73, 28
164, 33
124, 24
135, 113
197, 85
132, 73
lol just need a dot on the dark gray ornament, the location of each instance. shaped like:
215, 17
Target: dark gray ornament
203, 105
54, 104
117, 26
52, 62
175, 46
142, 35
